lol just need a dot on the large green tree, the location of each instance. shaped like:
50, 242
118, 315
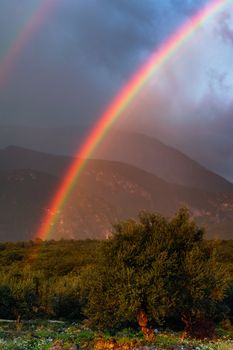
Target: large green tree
153, 269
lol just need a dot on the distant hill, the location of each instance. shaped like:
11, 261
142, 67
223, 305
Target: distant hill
157, 158
14, 157
107, 192
24, 194
135, 149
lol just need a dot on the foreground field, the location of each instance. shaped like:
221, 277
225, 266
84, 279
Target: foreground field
61, 336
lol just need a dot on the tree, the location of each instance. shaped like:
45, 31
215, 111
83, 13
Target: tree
153, 269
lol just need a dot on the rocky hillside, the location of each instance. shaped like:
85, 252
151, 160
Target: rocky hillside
106, 192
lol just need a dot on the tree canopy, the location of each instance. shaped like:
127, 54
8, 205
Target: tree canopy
153, 269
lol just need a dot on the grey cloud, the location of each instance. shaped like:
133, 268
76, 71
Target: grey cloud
218, 81
224, 27
84, 52
113, 34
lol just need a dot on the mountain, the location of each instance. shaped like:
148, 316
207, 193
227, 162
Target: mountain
157, 158
135, 149
106, 192
23, 196
110, 191
14, 157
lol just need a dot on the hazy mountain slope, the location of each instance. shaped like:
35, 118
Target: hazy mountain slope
164, 161
112, 191
106, 192
23, 196
13, 157
139, 150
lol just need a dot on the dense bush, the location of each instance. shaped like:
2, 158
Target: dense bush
153, 269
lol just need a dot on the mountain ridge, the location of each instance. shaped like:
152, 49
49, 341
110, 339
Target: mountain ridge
166, 162
140, 150
107, 191
58, 164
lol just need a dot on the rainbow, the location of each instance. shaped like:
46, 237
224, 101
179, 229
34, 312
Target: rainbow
118, 105
11, 56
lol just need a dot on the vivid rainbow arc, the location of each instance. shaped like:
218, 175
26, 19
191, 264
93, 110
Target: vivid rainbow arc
119, 104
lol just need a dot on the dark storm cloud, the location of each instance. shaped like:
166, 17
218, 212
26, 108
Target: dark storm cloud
115, 35
83, 52
119, 35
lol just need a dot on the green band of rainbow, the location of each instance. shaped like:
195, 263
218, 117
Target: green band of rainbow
119, 104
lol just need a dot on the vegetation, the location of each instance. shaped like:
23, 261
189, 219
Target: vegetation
151, 273
157, 270
46, 335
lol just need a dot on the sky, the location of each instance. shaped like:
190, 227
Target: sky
84, 51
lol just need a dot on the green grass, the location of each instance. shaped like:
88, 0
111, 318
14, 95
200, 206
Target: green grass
41, 336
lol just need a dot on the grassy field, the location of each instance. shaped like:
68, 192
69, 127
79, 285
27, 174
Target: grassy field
46, 335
